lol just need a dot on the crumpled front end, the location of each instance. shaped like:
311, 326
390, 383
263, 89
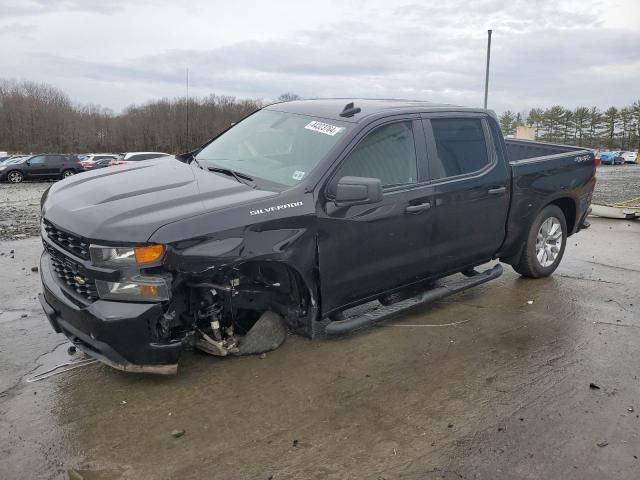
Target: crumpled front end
215, 295
116, 333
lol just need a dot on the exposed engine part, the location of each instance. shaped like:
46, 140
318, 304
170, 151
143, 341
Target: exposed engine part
213, 286
217, 339
220, 348
242, 310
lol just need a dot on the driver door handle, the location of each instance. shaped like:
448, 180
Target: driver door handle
497, 190
421, 207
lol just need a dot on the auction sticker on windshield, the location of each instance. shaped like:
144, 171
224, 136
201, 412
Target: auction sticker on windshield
325, 128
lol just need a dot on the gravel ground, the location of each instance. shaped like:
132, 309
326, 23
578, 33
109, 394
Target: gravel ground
617, 184
20, 209
20, 204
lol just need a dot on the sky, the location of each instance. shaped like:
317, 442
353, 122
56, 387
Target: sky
115, 52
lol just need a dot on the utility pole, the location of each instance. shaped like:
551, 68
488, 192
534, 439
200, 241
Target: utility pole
486, 78
188, 142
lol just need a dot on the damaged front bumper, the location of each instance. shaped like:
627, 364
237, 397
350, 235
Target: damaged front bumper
116, 333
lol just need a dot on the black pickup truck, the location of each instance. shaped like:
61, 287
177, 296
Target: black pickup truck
295, 215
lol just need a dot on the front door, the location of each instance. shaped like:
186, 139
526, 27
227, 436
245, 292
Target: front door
365, 250
471, 191
37, 166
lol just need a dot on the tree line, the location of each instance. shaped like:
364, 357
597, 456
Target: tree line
36, 117
614, 128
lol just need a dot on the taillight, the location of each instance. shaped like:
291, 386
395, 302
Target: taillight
597, 162
117, 162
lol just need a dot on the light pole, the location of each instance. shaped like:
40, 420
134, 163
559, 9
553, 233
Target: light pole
188, 142
486, 78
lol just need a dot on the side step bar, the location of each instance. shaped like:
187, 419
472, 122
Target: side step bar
350, 324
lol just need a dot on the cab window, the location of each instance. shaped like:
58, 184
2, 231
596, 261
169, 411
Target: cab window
387, 153
460, 146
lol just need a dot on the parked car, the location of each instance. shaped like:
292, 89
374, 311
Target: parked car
125, 158
630, 157
97, 160
611, 158
43, 166
294, 215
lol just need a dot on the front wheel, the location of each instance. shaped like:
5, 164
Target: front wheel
68, 173
15, 176
545, 244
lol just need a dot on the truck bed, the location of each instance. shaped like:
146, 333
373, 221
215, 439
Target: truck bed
541, 173
518, 150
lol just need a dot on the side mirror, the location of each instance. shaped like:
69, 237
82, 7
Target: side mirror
358, 191
28, 162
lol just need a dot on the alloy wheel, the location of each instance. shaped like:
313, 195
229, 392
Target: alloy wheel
15, 177
549, 241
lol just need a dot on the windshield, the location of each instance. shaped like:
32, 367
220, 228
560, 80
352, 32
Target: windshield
14, 161
279, 147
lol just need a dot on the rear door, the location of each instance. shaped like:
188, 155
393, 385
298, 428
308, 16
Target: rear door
471, 190
56, 164
365, 250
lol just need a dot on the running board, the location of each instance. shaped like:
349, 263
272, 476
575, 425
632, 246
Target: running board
350, 324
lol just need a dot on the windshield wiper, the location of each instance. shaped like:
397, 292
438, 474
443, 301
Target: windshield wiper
240, 177
194, 159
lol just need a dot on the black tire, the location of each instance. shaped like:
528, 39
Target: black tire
529, 264
15, 176
68, 173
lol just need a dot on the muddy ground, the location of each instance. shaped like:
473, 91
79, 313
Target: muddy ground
505, 395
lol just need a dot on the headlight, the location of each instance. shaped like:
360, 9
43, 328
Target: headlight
125, 256
146, 288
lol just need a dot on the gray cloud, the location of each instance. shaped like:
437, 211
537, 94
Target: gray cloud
39, 7
15, 28
544, 53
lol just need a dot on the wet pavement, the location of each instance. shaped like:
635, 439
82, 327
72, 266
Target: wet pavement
504, 395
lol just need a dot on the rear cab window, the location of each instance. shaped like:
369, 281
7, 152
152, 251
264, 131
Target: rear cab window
459, 147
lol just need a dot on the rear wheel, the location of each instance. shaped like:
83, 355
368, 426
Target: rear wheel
15, 176
68, 173
545, 244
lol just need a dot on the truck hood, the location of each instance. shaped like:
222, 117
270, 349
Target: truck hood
129, 203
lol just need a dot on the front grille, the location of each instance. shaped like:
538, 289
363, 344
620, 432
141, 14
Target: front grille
68, 272
68, 241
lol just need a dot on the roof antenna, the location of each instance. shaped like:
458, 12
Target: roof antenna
349, 110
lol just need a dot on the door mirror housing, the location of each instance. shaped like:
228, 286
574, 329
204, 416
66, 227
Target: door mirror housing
357, 191
28, 162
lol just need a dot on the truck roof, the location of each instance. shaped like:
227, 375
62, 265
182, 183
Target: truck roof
332, 108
